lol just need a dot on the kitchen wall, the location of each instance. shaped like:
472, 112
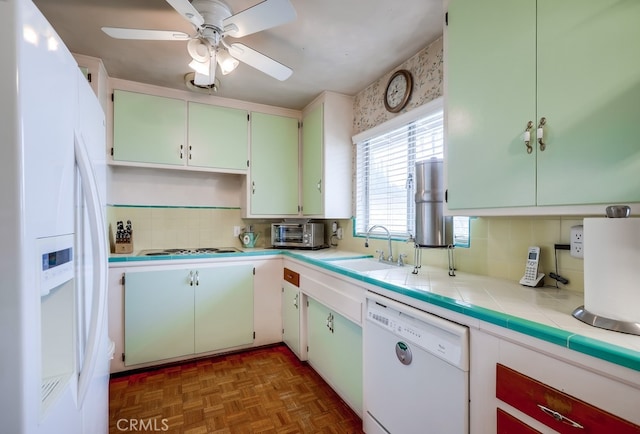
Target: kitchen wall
498, 244
171, 208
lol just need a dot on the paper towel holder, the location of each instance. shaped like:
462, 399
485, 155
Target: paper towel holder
606, 323
612, 211
618, 211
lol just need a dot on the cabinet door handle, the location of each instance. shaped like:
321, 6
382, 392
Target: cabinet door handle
320, 186
190, 278
330, 322
527, 137
540, 133
197, 279
559, 417
295, 301
253, 187
181, 151
189, 152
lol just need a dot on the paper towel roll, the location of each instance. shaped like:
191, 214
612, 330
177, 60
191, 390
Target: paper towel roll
612, 268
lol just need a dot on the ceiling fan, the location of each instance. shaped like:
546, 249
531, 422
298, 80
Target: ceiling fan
213, 22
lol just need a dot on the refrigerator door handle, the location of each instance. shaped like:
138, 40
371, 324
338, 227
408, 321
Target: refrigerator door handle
100, 260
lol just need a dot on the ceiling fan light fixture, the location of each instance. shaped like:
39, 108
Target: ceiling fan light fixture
226, 62
189, 81
198, 50
200, 67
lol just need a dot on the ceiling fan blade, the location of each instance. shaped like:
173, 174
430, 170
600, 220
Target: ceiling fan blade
186, 9
265, 15
260, 62
153, 35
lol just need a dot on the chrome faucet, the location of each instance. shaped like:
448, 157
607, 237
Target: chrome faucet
366, 243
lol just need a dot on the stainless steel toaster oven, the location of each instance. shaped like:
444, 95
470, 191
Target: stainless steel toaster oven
297, 235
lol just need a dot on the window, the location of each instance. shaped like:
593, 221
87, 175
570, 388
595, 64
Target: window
385, 159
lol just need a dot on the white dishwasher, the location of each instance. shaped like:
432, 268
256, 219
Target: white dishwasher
416, 371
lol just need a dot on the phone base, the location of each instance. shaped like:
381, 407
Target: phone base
534, 283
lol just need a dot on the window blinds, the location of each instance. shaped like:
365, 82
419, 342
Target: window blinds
385, 171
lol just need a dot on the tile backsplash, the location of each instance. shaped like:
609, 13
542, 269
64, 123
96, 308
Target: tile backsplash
498, 248
158, 227
498, 244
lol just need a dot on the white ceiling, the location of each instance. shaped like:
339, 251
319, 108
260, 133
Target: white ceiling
337, 45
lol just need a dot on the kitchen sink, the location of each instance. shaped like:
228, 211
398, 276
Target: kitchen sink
189, 251
364, 264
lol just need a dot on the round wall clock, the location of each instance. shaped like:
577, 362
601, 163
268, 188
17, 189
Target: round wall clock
398, 91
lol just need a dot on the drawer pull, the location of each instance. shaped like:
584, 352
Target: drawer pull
559, 417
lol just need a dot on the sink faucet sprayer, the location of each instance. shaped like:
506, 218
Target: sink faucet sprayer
366, 242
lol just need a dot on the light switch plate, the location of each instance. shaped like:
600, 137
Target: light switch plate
577, 241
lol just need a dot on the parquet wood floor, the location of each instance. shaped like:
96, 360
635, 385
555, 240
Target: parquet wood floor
267, 390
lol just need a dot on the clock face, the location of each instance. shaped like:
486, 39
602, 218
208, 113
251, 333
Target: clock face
398, 91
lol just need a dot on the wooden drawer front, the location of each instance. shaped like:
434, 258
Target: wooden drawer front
292, 277
555, 408
508, 424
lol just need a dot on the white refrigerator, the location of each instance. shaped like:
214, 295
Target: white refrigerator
54, 348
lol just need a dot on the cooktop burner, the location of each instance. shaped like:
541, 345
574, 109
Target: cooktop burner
189, 251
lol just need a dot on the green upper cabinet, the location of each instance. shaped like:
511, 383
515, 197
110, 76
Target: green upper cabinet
570, 62
490, 98
273, 184
589, 92
218, 137
148, 128
326, 169
312, 162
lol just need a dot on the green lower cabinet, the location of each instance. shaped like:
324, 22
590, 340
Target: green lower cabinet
223, 307
335, 351
174, 313
158, 316
291, 317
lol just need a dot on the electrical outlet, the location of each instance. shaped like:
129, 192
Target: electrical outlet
577, 241
236, 231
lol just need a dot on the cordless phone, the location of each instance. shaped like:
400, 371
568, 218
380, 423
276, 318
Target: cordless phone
531, 276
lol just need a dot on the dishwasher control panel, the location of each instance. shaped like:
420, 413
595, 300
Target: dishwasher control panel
440, 337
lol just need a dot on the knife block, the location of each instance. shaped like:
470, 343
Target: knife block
124, 246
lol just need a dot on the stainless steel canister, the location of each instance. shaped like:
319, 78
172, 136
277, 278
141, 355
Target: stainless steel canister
433, 229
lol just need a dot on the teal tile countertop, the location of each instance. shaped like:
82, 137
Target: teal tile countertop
544, 313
